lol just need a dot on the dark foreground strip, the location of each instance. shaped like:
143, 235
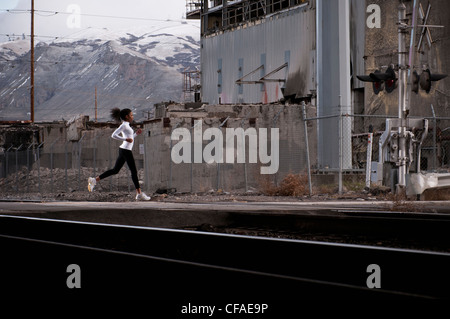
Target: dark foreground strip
126, 262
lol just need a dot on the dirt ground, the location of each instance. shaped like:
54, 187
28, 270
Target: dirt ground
71, 185
125, 196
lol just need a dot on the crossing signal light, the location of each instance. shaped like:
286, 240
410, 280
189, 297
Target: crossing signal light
390, 80
426, 77
380, 80
415, 82
377, 85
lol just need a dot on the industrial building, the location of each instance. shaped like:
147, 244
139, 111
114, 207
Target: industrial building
295, 51
271, 51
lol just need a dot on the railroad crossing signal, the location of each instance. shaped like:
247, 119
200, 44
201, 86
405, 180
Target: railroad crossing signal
381, 80
426, 77
389, 80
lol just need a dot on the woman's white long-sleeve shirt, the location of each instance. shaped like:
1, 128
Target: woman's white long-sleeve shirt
127, 132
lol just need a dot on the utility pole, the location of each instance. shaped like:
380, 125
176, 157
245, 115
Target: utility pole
402, 113
95, 104
32, 65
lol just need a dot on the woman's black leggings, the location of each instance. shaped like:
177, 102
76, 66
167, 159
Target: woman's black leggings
124, 156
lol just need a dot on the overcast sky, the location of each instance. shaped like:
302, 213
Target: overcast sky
67, 21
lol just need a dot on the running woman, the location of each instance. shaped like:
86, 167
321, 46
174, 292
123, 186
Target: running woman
125, 134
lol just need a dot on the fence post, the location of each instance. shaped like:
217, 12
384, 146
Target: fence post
128, 180
341, 133
7, 163
79, 159
109, 163
95, 153
51, 164
274, 122
28, 165
369, 158
65, 166
192, 153
434, 138
170, 156
17, 167
39, 167
146, 179
245, 159
308, 164
218, 163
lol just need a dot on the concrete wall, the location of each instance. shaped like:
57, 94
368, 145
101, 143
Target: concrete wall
87, 149
202, 177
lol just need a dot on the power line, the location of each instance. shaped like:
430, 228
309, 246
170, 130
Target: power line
53, 13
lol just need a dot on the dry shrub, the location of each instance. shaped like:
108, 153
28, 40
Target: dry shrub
291, 185
400, 203
266, 186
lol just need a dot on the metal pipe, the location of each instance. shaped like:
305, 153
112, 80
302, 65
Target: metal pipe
32, 64
412, 55
402, 73
419, 147
308, 165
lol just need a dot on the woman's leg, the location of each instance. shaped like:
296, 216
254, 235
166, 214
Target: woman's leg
132, 166
119, 163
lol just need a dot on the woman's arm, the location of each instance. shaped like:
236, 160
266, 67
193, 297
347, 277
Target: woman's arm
117, 134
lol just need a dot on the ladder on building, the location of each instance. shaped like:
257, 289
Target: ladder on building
191, 85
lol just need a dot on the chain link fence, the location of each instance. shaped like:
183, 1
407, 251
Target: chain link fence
352, 171
61, 166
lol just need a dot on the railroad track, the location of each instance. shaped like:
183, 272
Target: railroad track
422, 231
151, 263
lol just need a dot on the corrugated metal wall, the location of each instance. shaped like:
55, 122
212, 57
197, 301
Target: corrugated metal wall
283, 37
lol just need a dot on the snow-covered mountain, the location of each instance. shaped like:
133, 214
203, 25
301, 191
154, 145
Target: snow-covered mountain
132, 68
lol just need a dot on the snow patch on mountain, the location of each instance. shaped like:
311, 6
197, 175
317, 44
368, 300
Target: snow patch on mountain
12, 50
136, 68
173, 43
